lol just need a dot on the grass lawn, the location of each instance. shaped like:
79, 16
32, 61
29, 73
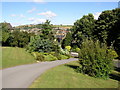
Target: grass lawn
12, 56
65, 76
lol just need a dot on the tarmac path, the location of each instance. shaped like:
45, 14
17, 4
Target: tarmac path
22, 76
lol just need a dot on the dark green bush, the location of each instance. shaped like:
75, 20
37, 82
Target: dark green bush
39, 44
95, 59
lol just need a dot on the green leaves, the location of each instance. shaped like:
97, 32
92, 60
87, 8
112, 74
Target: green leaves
67, 40
94, 59
46, 27
39, 44
83, 28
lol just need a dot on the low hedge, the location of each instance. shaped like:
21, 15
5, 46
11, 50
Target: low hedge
49, 56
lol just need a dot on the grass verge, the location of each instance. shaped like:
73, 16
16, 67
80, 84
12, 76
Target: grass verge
13, 56
65, 76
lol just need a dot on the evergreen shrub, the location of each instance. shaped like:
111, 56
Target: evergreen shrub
95, 59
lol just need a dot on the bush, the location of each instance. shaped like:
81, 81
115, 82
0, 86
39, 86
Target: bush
50, 57
64, 57
64, 51
77, 49
38, 56
68, 48
52, 53
39, 44
113, 53
43, 56
95, 59
57, 55
61, 56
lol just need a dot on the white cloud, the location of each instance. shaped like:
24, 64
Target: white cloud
13, 15
31, 10
96, 15
36, 20
48, 14
22, 16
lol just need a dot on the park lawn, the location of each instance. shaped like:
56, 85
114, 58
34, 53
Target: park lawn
65, 76
13, 56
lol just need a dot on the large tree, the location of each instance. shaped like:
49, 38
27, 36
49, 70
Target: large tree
46, 27
107, 28
83, 28
19, 39
5, 31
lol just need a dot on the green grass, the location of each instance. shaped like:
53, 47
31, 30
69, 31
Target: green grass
13, 56
65, 76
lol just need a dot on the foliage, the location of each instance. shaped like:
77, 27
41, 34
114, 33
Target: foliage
5, 38
95, 59
38, 56
68, 48
107, 28
39, 44
5, 29
67, 40
57, 55
19, 39
64, 51
83, 28
43, 56
77, 49
60, 56
50, 57
13, 37
113, 53
63, 56
46, 27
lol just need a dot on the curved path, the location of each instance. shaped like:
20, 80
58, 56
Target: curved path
22, 76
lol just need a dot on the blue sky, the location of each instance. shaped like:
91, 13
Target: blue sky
21, 13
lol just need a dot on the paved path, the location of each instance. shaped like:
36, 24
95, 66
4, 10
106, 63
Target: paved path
22, 76
117, 64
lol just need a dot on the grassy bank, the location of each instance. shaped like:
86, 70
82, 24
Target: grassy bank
13, 56
65, 76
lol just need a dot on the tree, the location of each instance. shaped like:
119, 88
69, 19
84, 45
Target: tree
5, 29
107, 28
46, 27
67, 40
19, 39
39, 44
83, 28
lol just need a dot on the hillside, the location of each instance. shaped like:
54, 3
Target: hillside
12, 56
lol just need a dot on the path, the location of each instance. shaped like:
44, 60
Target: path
22, 76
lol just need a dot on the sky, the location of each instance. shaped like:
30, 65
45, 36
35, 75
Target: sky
65, 13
